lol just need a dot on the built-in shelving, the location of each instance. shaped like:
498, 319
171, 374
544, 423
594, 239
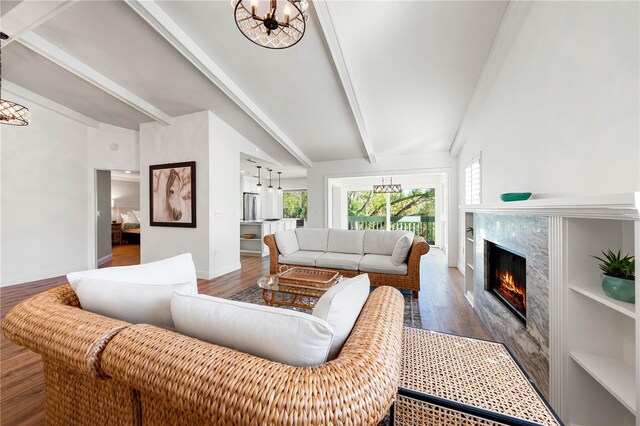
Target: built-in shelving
594, 291
470, 260
601, 373
614, 375
594, 349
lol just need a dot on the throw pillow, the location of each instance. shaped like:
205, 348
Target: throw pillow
281, 335
401, 250
340, 306
287, 242
177, 269
134, 303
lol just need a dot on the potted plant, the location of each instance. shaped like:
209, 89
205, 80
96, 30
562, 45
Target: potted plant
618, 280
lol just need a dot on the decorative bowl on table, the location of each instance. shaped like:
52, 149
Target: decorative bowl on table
515, 196
248, 236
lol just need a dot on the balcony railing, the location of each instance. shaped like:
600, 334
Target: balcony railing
424, 226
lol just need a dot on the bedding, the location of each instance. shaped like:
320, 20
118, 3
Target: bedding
129, 226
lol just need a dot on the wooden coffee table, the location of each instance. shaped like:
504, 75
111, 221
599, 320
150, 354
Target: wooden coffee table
276, 294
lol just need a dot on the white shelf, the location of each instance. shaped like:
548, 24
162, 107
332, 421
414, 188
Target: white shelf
594, 291
470, 239
250, 239
470, 266
617, 377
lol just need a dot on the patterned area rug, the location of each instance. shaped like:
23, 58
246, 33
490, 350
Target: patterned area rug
411, 310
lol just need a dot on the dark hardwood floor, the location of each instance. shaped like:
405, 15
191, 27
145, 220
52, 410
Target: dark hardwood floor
442, 308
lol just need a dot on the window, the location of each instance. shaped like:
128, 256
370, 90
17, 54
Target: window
472, 182
411, 210
294, 204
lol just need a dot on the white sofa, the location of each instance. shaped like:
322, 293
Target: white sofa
351, 253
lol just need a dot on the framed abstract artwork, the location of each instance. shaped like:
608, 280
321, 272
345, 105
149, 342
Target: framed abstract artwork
172, 193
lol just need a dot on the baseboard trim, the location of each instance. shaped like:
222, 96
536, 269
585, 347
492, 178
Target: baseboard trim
216, 272
105, 259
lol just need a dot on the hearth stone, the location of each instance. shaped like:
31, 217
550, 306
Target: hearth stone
528, 235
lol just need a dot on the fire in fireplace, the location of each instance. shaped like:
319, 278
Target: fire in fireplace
507, 278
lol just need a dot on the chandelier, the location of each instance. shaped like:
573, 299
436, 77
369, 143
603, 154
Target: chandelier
11, 112
387, 189
274, 24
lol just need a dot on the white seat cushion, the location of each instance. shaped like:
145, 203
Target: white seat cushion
339, 260
343, 241
312, 239
382, 242
134, 303
340, 306
381, 264
301, 258
287, 242
281, 335
401, 250
177, 269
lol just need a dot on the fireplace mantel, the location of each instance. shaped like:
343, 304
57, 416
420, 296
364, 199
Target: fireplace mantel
593, 344
619, 206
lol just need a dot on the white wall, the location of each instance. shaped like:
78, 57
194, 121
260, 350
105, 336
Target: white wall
44, 218
435, 162
294, 183
125, 195
224, 225
203, 137
562, 117
101, 157
187, 139
48, 211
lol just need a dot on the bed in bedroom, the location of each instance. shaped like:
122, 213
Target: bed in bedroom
131, 227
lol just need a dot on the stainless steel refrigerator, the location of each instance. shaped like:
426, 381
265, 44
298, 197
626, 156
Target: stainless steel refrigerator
251, 206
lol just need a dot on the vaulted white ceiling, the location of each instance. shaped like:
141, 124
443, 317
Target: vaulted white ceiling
369, 78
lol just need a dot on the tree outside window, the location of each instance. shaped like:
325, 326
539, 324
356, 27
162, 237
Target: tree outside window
294, 204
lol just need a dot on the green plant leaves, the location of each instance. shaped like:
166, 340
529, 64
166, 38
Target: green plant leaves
616, 266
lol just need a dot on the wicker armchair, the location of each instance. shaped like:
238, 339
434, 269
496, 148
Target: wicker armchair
411, 281
103, 371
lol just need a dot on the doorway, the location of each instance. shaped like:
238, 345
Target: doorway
118, 218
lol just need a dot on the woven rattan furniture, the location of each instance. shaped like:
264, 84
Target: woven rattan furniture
453, 380
100, 371
275, 293
410, 281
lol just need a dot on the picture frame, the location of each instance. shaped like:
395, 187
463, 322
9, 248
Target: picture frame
172, 194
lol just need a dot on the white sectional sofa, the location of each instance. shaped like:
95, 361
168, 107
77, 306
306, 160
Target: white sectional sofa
352, 253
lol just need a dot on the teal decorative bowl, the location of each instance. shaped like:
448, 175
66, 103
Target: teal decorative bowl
619, 288
515, 196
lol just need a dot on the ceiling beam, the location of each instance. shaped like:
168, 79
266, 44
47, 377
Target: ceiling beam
178, 38
28, 15
512, 20
325, 13
82, 70
10, 87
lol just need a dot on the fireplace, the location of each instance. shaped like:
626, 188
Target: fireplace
507, 278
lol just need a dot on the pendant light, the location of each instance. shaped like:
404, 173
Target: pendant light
387, 189
10, 112
270, 187
279, 186
274, 24
259, 185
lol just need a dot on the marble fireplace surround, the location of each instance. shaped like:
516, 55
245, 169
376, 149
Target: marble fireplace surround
528, 235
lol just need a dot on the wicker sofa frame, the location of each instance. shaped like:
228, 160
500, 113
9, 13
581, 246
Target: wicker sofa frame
103, 371
410, 281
